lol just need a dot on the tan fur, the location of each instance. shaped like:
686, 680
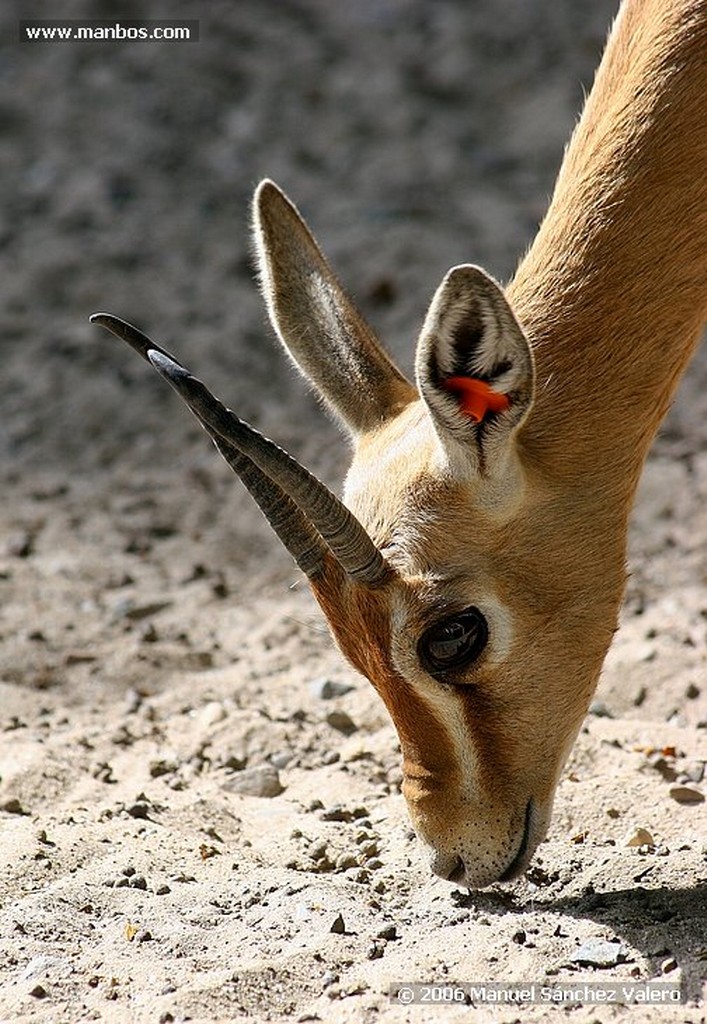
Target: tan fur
522, 704
613, 292
523, 516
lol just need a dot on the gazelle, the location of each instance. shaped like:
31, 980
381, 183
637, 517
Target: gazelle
475, 568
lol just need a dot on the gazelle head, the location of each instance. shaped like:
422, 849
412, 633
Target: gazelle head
475, 590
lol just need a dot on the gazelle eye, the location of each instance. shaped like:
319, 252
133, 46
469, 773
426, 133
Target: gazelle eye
454, 642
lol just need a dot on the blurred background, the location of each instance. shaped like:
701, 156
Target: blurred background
148, 616
412, 134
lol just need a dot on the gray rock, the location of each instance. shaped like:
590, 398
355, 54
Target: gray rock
263, 780
325, 689
687, 794
342, 722
599, 953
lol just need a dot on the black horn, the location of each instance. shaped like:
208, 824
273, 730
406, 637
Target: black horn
307, 517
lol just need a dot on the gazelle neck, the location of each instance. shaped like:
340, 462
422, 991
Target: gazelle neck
613, 292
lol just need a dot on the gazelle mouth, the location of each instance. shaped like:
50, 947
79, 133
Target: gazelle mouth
517, 865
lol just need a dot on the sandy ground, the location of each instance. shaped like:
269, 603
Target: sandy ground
193, 826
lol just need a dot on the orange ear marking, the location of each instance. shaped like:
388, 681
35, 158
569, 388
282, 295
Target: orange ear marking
476, 398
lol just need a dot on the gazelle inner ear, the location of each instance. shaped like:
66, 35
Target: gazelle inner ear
320, 327
474, 365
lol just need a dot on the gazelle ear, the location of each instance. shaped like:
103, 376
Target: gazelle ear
319, 326
474, 370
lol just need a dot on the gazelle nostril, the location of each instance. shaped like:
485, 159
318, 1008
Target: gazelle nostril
458, 871
447, 866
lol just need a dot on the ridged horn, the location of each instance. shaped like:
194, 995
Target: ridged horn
290, 525
304, 513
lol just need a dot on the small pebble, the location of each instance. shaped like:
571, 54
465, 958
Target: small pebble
694, 772
281, 759
662, 765
139, 809
134, 612
340, 813
337, 926
148, 633
317, 849
162, 767
211, 713
686, 794
133, 701
639, 837
325, 689
599, 709
345, 861
336, 813
342, 722
13, 806
262, 780
19, 545
599, 953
